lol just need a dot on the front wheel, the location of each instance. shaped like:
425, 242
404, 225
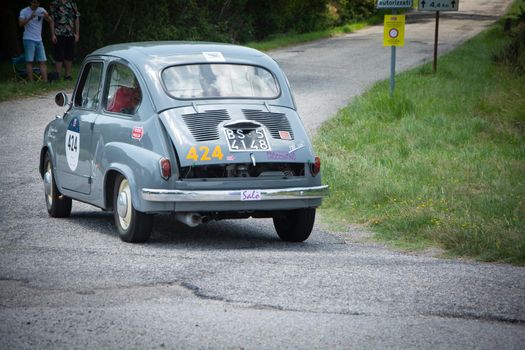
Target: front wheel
133, 226
58, 205
295, 225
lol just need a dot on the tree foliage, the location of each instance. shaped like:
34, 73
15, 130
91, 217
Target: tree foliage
106, 22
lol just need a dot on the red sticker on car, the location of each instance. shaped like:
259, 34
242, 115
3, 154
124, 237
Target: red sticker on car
285, 135
137, 133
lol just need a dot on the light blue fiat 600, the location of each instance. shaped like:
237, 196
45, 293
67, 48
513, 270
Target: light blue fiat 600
203, 131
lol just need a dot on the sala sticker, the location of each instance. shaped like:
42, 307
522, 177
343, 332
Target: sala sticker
73, 144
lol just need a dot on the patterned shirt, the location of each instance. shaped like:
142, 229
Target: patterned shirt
64, 14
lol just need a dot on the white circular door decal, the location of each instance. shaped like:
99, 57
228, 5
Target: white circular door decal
73, 144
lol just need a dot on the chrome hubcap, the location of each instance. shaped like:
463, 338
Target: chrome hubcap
124, 205
48, 184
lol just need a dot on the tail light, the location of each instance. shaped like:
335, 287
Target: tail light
165, 168
315, 167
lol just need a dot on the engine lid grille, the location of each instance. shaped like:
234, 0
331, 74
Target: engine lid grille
205, 126
275, 122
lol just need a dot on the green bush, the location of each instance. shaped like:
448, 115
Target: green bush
351, 10
512, 54
234, 21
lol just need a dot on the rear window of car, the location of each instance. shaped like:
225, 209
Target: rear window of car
219, 80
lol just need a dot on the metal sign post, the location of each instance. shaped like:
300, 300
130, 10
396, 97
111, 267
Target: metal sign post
392, 66
437, 6
393, 36
394, 32
434, 66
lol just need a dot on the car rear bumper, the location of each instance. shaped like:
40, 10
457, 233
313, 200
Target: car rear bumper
160, 195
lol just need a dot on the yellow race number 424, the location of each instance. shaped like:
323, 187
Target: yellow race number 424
204, 153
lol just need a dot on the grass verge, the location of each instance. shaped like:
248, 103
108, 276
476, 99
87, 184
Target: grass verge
11, 88
440, 164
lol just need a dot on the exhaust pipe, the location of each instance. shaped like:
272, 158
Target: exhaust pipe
191, 219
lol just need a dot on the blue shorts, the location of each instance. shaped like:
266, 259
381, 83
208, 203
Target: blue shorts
34, 51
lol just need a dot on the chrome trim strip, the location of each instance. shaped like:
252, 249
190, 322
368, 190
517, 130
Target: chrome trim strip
160, 195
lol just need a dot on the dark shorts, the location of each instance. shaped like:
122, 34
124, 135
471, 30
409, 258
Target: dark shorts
64, 48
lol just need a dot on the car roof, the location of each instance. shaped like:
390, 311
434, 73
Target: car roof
164, 53
150, 58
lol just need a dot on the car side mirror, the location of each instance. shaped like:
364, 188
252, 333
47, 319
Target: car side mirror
61, 99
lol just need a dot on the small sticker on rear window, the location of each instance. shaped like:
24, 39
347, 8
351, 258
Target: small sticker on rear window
214, 56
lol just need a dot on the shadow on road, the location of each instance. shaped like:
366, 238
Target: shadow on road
169, 233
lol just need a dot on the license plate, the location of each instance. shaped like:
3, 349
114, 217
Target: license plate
251, 140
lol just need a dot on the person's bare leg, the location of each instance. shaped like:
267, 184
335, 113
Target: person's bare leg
67, 66
43, 70
29, 71
58, 67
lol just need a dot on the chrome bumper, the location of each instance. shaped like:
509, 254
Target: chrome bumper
155, 195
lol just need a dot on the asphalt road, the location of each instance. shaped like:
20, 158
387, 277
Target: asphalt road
71, 283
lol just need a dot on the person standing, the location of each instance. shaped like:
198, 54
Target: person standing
31, 19
66, 34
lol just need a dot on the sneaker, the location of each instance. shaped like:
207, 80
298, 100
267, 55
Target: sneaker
68, 78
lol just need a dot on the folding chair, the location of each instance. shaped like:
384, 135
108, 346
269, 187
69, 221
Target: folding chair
19, 68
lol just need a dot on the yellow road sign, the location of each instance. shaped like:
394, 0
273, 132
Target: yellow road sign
394, 32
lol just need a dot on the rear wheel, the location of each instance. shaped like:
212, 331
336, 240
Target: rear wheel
133, 226
295, 225
58, 205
